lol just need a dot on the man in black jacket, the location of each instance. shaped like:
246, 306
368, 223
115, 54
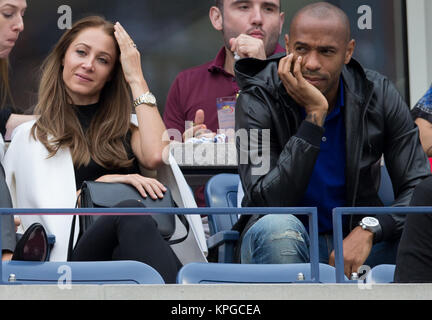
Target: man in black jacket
324, 122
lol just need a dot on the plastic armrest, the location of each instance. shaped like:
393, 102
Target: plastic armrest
222, 237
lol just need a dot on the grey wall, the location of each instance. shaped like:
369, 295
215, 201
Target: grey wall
429, 37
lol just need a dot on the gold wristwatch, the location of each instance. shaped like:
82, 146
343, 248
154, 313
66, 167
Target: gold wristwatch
147, 98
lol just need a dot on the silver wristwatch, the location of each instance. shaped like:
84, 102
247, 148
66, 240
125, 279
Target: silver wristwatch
371, 224
147, 98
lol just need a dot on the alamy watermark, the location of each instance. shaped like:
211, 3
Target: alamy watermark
363, 23
64, 281
365, 20
65, 20
363, 281
253, 146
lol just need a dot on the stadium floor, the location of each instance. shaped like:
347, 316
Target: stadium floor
220, 292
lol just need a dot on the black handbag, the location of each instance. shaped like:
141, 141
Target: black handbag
116, 195
33, 245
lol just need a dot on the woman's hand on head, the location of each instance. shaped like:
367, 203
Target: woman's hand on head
145, 186
130, 57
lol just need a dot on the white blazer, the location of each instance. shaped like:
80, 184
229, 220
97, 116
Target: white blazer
37, 181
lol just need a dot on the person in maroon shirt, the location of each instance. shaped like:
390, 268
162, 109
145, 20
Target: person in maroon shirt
250, 29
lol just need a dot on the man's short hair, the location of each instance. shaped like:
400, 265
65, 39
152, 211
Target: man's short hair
219, 4
324, 10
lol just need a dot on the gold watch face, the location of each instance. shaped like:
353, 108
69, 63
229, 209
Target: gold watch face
150, 99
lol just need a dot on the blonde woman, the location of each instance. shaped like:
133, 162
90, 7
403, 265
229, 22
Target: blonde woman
84, 133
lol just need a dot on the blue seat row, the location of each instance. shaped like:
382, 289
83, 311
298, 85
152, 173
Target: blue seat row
132, 272
221, 191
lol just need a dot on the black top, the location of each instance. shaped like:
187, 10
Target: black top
4, 117
93, 170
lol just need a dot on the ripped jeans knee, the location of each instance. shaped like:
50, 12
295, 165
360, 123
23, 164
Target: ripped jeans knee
276, 239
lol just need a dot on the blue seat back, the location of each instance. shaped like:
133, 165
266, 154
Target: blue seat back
385, 191
110, 272
216, 273
221, 192
383, 273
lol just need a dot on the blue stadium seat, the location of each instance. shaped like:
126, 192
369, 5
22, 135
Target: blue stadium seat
383, 273
221, 192
216, 273
110, 272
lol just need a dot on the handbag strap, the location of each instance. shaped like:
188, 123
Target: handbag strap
71, 239
72, 233
184, 221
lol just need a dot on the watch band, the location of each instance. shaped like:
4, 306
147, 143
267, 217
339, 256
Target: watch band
375, 229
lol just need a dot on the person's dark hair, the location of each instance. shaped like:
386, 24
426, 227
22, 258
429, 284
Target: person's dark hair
219, 4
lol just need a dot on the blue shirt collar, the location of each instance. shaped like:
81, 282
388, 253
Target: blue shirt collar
339, 103
341, 97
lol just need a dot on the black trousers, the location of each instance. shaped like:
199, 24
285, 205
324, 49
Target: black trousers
414, 258
128, 238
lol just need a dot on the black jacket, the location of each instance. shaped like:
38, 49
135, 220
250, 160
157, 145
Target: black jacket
377, 122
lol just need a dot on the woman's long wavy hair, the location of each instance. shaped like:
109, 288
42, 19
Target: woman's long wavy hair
4, 82
59, 127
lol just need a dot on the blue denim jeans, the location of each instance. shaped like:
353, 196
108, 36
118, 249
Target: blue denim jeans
279, 239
